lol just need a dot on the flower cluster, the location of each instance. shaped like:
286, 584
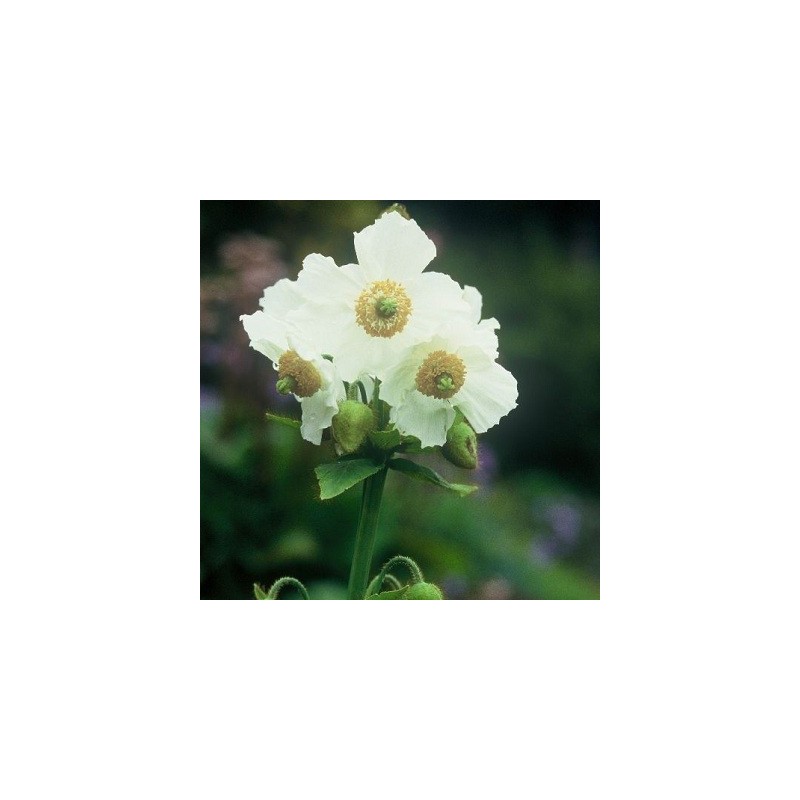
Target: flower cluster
385, 322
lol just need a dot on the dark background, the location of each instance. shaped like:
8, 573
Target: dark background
532, 531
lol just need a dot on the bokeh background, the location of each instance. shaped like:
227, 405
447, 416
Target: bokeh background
532, 530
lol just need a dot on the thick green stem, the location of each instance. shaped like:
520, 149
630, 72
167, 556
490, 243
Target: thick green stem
365, 535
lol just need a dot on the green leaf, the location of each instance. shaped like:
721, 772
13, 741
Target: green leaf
339, 476
259, 592
414, 470
410, 444
288, 421
385, 440
393, 594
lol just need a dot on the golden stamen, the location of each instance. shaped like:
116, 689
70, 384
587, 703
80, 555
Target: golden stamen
305, 375
383, 308
441, 374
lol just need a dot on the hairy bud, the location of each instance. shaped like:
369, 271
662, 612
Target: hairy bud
352, 425
461, 447
423, 591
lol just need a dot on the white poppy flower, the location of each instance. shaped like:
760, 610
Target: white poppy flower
369, 313
456, 368
302, 371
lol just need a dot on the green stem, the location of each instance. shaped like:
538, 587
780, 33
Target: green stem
365, 535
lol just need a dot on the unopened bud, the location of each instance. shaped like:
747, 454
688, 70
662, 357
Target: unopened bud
352, 425
461, 447
423, 591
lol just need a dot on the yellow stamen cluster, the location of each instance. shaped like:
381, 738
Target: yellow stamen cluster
383, 308
441, 374
307, 379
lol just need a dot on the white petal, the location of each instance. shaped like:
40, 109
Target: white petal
474, 300
320, 408
424, 417
280, 298
481, 336
398, 381
321, 281
393, 247
488, 395
327, 309
436, 299
267, 334
356, 353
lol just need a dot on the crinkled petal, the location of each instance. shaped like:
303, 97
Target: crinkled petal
321, 407
280, 298
436, 299
425, 417
267, 334
488, 394
398, 381
483, 336
317, 415
393, 247
356, 353
326, 314
321, 281
474, 300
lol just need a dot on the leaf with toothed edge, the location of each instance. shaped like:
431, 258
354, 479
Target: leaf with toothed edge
339, 476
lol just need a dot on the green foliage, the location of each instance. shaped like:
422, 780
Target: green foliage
339, 476
386, 440
392, 594
287, 421
422, 473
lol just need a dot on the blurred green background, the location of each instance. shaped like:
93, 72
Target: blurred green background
532, 531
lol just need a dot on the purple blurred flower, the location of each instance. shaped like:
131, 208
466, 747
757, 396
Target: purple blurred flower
565, 522
454, 587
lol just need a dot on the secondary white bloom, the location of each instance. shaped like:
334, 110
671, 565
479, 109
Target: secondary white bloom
368, 313
456, 368
302, 370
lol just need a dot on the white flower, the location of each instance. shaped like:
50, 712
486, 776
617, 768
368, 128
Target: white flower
369, 313
302, 370
456, 368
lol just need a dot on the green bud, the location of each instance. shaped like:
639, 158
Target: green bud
461, 447
286, 385
352, 425
423, 591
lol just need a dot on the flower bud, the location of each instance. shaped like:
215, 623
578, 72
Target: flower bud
461, 447
352, 425
423, 591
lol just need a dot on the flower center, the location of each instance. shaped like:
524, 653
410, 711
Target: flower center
441, 374
383, 308
297, 376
